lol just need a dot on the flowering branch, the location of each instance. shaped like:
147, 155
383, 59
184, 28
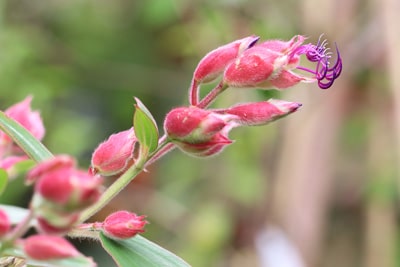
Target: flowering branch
65, 197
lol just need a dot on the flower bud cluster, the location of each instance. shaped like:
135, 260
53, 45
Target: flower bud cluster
267, 65
61, 193
201, 132
271, 64
245, 64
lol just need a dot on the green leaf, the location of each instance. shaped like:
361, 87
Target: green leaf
3, 180
15, 214
23, 166
24, 139
145, 126
138, 252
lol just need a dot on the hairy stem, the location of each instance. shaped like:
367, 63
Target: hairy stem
194, 93
208, 99
164, 150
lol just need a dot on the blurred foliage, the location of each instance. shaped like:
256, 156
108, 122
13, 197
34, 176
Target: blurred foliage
84, 60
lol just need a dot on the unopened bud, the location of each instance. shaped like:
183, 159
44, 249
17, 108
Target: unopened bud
115, 154
193, 124
31, 120
63, 186
123, 224
197, 131
214, 63
260, 113
44, 247
57, 163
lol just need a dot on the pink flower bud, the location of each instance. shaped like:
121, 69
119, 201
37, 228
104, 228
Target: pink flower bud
252, 69
114, 155
214, 63
59, 183
123, 224
57, 163
5, 224
193, 124
31, 120
44, 247
197, 131
259, 113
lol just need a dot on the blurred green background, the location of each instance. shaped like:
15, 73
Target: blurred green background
318, 188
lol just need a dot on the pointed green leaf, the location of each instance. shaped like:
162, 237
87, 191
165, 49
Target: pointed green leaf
145, 127
138, 252
24, 139
3, 180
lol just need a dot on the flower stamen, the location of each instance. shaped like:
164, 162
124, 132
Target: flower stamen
319, 53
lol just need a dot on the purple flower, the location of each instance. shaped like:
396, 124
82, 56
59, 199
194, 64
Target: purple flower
324, 73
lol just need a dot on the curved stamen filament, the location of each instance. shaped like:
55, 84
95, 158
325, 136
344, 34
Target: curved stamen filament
331, 73
319, 53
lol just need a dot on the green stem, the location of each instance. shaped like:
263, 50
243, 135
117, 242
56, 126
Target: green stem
121, 183
112, 191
